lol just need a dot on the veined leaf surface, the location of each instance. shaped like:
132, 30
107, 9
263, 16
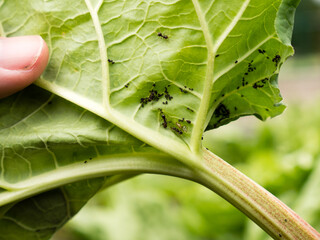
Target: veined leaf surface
160, 70
63, 154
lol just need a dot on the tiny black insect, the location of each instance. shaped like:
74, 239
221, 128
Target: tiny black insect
127, 85
188, 121
85, 161
49, 103
217, 55
162, 35
111, 61
164, 124
236, 61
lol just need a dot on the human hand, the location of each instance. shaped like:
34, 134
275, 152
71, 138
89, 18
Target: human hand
22, 61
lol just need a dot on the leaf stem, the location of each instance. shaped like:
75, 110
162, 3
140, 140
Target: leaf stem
272, 215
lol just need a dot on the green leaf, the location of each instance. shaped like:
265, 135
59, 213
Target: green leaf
161, 71
53, 146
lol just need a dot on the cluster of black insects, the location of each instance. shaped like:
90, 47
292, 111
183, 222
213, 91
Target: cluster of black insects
177, 127
222, 112
154, 96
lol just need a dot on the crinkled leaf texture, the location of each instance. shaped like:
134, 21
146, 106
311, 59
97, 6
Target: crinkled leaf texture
162, 71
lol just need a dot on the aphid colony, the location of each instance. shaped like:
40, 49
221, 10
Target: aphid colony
222, 112
178, 127
154, 95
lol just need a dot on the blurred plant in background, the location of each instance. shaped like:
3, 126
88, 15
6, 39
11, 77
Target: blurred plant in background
282, 154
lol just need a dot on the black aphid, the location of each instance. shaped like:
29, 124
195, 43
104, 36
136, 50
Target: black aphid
261, 51
236, 62
127, 85
164, 124
162, 35
188, 121
181, 120
49, 103
111, 61
217, 55
85, 161
190, 109
222, 95
235, 108
191, 89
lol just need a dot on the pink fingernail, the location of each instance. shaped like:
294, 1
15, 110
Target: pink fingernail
20, 53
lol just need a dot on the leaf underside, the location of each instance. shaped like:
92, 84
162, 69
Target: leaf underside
162, 71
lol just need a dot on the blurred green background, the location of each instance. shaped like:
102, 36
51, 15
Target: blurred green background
282, 154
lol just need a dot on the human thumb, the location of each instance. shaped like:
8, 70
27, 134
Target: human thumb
22, 61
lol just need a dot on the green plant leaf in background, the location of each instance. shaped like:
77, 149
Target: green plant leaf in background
162, 71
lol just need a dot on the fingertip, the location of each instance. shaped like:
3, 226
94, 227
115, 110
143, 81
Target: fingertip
22, 61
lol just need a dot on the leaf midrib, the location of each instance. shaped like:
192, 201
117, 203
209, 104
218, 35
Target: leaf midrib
103, 55
212, 49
